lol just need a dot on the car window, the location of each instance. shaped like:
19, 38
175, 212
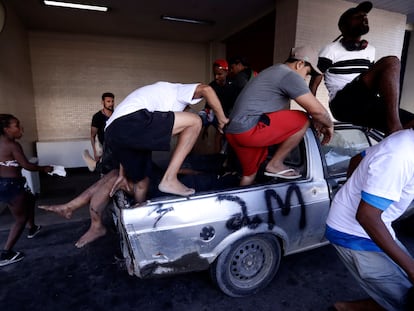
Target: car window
344, 145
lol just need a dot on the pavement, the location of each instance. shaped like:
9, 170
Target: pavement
55, 275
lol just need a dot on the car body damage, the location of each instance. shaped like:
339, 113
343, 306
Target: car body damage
245, 230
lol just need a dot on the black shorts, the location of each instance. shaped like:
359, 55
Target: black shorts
11, 187
132, 138
357, 104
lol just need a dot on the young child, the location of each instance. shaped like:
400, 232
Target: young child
13, 191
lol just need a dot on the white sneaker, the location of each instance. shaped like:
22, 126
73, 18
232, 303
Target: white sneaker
10, 257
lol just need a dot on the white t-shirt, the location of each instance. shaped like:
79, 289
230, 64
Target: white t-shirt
345, 65
160, 96
386, 171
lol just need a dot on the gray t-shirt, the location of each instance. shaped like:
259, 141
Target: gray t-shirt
270, 91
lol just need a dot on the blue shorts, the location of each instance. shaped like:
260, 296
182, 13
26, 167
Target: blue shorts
11, 187
382, 279
132, 138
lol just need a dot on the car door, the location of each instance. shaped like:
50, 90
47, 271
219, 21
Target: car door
348, 140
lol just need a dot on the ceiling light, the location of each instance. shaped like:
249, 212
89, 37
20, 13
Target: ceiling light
186, 20
76, 6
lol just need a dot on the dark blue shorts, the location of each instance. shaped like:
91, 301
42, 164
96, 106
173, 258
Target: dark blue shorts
132, 138
11, 187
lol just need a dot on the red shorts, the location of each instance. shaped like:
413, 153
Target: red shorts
251, 146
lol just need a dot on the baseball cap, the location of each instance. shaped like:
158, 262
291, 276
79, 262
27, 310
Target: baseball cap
221, 63
365, 6
307, 54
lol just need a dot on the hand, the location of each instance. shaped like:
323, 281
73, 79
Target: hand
47, 169
321, 129
222, 124
120, 183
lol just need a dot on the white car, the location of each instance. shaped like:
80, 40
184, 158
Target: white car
241, 233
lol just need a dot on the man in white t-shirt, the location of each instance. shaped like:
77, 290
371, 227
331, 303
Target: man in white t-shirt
361, 91
359, 223
145, 121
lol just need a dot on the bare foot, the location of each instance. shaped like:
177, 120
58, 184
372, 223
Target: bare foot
62, 210
91, 235
175, 188
90, 162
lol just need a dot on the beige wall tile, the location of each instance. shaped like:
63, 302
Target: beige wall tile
16, 89
70, 72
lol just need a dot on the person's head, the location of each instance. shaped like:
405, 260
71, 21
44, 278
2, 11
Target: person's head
353, 22
220, 70
10, 126
108, 101
304, 60
237, 64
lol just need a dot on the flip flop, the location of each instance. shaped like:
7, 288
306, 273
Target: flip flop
281, 174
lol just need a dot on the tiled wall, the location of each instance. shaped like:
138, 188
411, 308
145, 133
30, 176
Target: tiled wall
70, 72
16, 89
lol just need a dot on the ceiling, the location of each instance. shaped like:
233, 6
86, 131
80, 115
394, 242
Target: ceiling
141, 18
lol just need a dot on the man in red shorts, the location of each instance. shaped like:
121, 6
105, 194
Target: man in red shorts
261, 116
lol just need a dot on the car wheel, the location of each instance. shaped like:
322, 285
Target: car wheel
247, 266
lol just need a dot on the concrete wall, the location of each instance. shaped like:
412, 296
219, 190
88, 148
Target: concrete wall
70, 72
16, 88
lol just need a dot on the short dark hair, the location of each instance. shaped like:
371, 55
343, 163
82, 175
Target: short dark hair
239, 59
107, 94
5, 120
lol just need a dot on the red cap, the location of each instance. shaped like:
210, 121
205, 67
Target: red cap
221, 63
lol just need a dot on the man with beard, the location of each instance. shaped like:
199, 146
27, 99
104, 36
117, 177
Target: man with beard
97, 131
361, 91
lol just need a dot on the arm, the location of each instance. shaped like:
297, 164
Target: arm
320, 116
370, 219
314, 83
94, 133
121, 182
324, 64
210, 96
18, 154
353, 164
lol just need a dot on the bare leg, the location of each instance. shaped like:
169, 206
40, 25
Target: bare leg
29, 203
276, 163
384, 78
98, 201
247, 180
66, 210
141, 190
187, 126
358, 305
20, 215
